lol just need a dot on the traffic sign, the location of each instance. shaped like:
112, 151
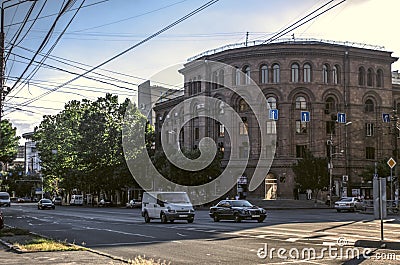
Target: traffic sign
341, 117
385, 117
273, 114
305, 116
391, 163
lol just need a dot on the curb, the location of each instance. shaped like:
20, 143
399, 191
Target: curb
19, 251
377, 244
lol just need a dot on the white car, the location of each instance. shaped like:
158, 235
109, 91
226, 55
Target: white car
350, 204
134, 204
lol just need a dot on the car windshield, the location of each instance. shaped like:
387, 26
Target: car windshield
346, 199
174, 197
46, 201
241, 203
4, 197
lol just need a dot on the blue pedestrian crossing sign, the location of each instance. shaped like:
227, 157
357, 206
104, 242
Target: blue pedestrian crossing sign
273, 114
305, 116
341, 117
385, 117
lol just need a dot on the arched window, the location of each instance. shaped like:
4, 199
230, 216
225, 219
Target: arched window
369, 106
369, 77
295, 73
361, 76
307, 73
246, 71
301, 103
243, 105
336, 74
276, 73
325, 76
236, 76
330, 105
221, 77
272, 102
264, 74
379, 78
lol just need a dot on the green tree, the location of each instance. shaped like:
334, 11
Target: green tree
8, 142
311, 172
184, 177
382, 167
81, 147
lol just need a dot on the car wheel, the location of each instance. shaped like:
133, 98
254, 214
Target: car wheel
338, 210
171, 221
38, 208
354, 209
216, 218
146, 217
237, 218
164, 219
260, 220
190, 220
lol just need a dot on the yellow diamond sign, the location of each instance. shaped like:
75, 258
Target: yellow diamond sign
391, 162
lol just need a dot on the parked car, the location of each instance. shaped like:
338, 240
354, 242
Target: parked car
350, 204
5, 199
1, 220
104, 203
57, 200
237, 210
134, 204
45, 204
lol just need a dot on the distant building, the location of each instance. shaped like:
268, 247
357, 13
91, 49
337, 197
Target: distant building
20, 159
319, 77
32, 158
149, 94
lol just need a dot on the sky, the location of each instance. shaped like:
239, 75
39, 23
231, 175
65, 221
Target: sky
102, 29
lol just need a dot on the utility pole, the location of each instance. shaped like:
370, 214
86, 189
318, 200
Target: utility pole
247, 37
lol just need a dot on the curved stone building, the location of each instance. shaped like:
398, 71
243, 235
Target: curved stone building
320, 78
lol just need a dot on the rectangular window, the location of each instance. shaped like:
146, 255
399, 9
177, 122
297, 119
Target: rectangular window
243, 151
243, 126
301, 127
196, 134
271, 127
369, 129
330, 127
370, 153
301, 150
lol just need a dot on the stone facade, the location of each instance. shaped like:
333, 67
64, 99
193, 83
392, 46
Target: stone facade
322, 78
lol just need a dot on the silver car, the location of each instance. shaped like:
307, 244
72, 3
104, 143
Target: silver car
350, 204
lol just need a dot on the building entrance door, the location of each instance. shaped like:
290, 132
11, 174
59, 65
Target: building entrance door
270, 187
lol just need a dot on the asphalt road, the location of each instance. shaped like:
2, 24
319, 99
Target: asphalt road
123, 232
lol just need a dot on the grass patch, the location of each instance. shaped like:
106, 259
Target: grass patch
13, 231
44, 244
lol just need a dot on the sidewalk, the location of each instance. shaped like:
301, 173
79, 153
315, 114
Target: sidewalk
90, 257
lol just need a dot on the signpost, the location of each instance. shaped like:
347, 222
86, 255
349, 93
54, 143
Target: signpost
341, 117
305, 116
391, 163
385, 117
273, 114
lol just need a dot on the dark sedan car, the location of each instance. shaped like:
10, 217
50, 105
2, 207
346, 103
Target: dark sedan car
45, 204
237, 210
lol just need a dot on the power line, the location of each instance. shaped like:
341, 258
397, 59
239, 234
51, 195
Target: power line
192, 13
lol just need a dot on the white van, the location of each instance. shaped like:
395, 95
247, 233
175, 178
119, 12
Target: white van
167, 206
5, 199
76, 200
